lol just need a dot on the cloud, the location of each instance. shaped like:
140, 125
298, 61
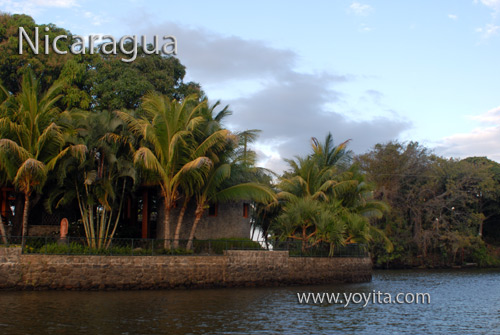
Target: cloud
489, 30
55, 3
290, 113
364, 28
214, 57
265, 92
494, 5
360, 9
491, 116
32, 7
481, 141
94, 19
453, 16
373, 96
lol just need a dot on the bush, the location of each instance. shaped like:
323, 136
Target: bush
218, 246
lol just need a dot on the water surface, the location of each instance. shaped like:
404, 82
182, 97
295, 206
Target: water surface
462, 302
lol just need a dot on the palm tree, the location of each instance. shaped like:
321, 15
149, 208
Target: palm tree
168, 150
4, 94
327, 154
361, 208
326, 200
213, 191
96, 173
212, 122
31, 140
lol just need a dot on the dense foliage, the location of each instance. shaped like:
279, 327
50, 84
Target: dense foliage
442, 210
85, 132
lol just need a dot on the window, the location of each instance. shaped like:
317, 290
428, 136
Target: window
245, 210
212, 210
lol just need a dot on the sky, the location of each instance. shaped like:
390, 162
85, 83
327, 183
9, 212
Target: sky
366, 71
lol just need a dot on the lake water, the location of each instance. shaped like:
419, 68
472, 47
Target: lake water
462, 302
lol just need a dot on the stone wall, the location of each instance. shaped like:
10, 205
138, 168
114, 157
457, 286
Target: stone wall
235, 268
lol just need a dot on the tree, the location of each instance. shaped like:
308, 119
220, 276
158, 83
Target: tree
168, 150
13, 65
96, 171
437, 204
192, 181
325, 200
32, 139
213, 191
3, 175
96, 81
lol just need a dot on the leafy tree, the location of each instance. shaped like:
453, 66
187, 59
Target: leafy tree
96, 81
46, 67
31, 139
115, 84
438, 204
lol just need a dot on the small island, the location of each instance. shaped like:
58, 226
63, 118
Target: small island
139, 165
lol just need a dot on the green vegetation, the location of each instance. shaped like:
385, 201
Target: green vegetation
440, 208
85, 132
324, 199
218, 246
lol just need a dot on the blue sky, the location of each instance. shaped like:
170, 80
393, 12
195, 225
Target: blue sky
369, 71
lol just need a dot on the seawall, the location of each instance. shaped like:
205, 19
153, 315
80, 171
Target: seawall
234, 268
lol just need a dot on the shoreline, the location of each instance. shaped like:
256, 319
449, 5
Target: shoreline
235, 268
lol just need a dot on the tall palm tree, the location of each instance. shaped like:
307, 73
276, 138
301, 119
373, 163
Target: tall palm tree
192, 180
168, 150
31, 140
327, 154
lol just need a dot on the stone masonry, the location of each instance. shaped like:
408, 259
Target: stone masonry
234, 268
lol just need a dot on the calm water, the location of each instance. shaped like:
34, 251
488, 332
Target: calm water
462, 302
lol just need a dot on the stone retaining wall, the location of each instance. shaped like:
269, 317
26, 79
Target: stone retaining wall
234, 268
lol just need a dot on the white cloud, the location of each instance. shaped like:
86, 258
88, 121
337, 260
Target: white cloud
55, 3
491, 28
481, 141
494, 5
94, 19
488, 30
453, 16
364, 28
491, 116
32, 7
360, 9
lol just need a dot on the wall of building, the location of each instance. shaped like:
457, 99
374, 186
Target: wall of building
228, 223
235, 268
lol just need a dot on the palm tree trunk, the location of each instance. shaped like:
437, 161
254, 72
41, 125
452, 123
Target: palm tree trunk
199, 214
2, 231
304, 239
166, 223
179, 223
25, 218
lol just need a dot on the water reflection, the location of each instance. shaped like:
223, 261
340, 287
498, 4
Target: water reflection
462, 302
